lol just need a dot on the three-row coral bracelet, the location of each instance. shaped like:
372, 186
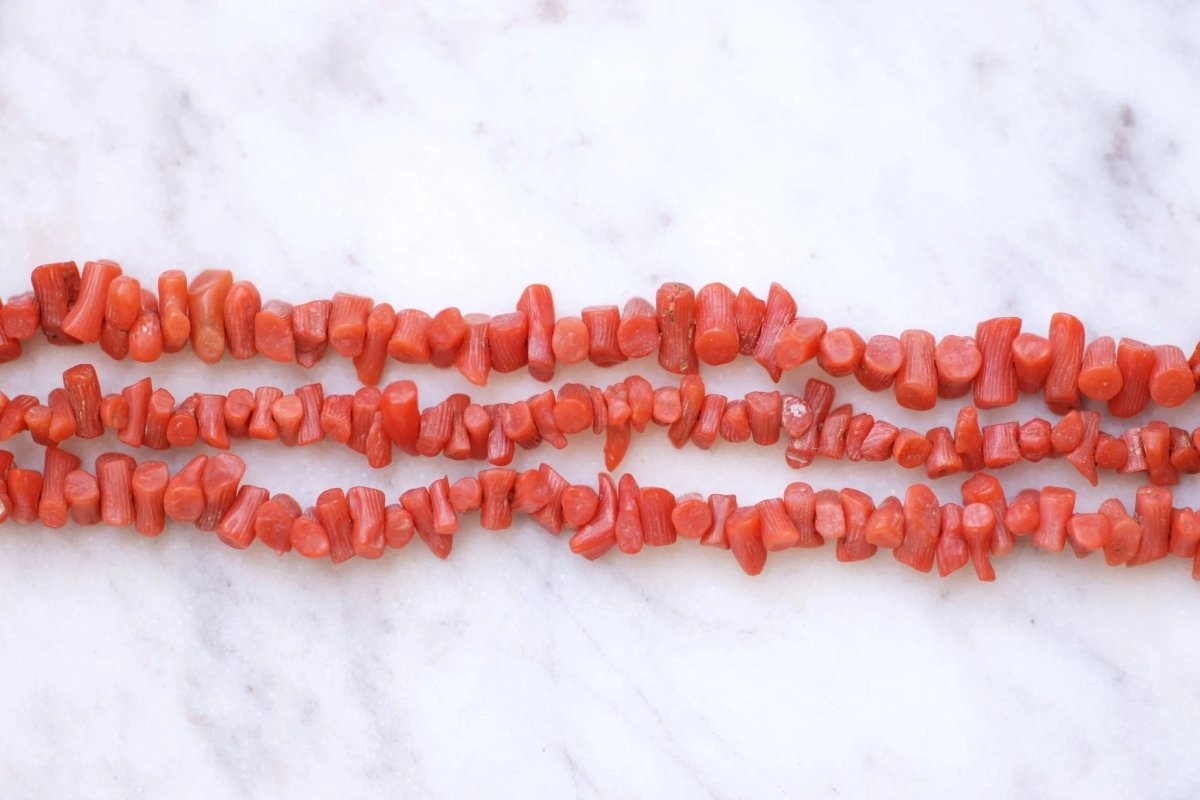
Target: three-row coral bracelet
1083, 381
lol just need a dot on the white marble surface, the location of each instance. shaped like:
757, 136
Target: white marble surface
916, 164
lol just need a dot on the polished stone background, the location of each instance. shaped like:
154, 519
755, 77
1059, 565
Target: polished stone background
895, 165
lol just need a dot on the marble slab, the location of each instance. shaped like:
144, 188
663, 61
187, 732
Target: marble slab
896, 165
